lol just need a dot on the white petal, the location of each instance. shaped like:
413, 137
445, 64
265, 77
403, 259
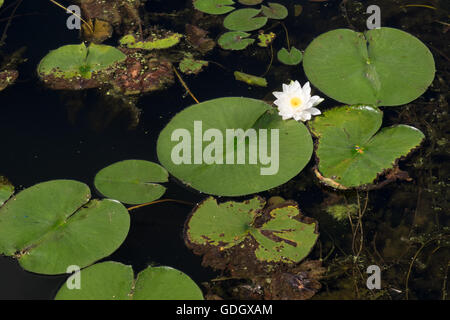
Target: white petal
278, 94
285, 88
307, 90
313, 111
316, 100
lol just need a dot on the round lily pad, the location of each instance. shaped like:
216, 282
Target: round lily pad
291, 58
286, 237
235, 40
77, 66
384, 67
351, 150
244, 20
53, 225
214, 6
275, 11
211, 162
132, 181
115, 281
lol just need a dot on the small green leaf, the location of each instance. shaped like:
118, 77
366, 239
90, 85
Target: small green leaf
214, 6
265, 39
250, 79
132, 181
235, 40
244, 20
291, 58
275, 11
154, 42
191, 66
351, 152
115, 281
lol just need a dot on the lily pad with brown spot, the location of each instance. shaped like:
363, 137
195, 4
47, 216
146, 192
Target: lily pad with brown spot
246, 237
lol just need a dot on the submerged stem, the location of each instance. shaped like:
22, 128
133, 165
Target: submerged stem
159, 201
185, 85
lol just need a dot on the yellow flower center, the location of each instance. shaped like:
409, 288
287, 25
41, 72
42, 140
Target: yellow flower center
296, 102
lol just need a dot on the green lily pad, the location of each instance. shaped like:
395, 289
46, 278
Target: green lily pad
275, 11
235, 40
290, 58
384, 67
250, 79
352, 152
6, 190
1, 3
244, 20
214, 6
155, 42
250, 2
189, 65
285, 237
212, 167
115, 281
77, 66
132, 181
53, 225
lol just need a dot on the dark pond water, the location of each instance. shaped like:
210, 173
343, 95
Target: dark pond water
42, 138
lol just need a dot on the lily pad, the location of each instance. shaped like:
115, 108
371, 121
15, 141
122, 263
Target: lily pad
1, 2
250, 79
250, 2
235, 40
281, 233
53, 225
6, 190
189, 65
214, 6
244, 20
132, 181
290, 58
275, 11
154, 42
77, 66
115, 281
233, 167
384, 67
351, 150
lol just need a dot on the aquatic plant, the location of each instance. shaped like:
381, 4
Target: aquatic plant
214, 6
275, 11
290, 57
206, 124
352, 151
6, 190
244, 20
383, 67
250, 79
153, 42
55, 224
278, 234
115, 281
7, 78
235, 40
77, 67
189, 65
132, 181
296, 102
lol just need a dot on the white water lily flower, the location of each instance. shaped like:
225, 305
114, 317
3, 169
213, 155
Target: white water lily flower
296, 102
